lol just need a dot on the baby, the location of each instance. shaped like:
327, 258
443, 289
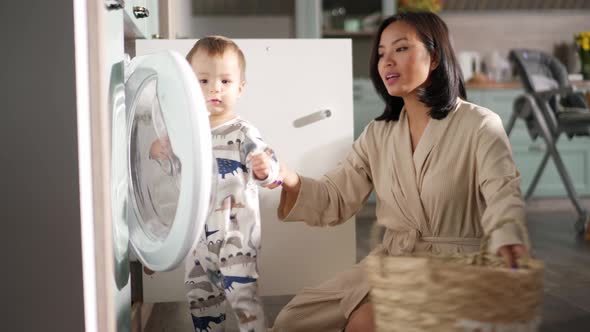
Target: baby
223, 265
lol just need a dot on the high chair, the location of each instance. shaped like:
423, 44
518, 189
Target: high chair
550, 107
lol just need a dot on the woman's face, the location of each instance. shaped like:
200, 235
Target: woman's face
404, 63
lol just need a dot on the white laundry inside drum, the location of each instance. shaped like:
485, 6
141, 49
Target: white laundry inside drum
155, 180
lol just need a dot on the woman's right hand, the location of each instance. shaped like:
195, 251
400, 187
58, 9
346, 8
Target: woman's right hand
148, 271
291, 184
288, 179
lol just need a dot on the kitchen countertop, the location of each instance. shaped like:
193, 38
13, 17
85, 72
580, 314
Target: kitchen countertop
583, 85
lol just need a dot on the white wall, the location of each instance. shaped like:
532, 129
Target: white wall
502, 31
189, 26
40, 245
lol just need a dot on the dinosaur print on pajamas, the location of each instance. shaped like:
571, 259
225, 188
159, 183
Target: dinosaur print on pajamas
215, 247
196, 271
230, 203
228, 166
238, 259
207, 233
228, 245
235, 241
211, 301
202, 323
228, 281
203, 285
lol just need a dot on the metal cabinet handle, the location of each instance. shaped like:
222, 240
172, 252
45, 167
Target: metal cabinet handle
114, 4
311, 118
140, 12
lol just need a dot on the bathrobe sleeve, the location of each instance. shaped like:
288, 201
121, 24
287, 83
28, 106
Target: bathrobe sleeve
499, 183
340, 193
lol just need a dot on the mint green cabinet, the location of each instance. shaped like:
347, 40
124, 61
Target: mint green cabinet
528, 153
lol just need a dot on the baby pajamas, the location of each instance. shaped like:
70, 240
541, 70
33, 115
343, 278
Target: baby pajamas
223, 263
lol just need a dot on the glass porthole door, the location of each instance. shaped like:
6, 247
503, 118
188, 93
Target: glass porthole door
162, 161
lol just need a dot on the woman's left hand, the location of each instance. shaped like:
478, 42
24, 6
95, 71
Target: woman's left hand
511, 252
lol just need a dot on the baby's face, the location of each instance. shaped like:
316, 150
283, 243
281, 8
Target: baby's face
220, 79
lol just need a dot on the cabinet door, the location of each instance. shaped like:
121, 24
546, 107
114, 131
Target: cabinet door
575, 156
113, 70
288, 80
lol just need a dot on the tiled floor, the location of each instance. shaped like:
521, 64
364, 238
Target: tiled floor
566, 306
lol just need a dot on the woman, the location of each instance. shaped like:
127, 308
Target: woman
441, 169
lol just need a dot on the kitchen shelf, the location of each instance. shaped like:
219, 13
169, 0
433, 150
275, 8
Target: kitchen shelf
580, 85
334, 33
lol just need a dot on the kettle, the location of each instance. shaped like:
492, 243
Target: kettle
470, 62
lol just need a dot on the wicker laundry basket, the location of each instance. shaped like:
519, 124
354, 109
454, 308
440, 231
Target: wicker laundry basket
475, 292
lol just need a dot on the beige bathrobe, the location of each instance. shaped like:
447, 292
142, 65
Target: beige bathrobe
460, 181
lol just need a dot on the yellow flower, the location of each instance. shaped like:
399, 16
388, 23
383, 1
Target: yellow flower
583, 40
413, 5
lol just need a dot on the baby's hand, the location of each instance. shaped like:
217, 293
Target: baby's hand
283, 172
148, 271
160, 149
260, 164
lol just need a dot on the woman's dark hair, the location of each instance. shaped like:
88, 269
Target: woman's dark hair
445, 81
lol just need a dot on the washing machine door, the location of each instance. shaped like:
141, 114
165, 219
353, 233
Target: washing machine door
164, 165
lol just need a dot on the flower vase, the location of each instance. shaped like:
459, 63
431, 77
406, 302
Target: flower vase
583, 43
586, 70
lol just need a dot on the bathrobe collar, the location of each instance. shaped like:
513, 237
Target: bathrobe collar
410, 167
